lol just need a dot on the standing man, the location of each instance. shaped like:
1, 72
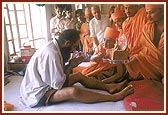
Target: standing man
69, 18
97, 26
57, 23
86, 41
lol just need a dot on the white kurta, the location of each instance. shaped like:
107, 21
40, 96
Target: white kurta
44, 71
97, 27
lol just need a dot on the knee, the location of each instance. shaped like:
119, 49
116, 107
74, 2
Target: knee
74, 92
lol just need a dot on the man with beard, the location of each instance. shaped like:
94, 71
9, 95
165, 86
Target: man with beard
48, 80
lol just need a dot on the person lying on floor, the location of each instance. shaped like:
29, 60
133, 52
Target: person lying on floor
48, 81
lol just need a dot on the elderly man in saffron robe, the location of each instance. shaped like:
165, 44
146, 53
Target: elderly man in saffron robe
85, 38
132, 26
96, 69
149, 61
96, 63
132, 29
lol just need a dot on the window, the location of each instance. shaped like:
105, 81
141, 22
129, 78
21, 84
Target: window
24, 24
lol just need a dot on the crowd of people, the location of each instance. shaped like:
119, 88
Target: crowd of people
132, 28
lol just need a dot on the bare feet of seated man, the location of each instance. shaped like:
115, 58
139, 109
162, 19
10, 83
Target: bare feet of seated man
96, 84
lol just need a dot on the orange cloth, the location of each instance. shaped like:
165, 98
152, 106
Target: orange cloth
85, 38
117, 14
153, 6
132, 28
150, 60
99, 65
78, 69
8, 106
111, 33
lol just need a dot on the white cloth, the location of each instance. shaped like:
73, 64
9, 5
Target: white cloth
44, 71
97, 27
58, 24
70, 23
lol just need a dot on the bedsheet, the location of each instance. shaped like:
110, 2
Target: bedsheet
11, 95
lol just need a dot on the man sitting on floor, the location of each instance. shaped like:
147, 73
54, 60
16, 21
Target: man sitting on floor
48, 80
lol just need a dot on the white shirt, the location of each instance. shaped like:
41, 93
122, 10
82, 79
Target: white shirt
70, 23
97, 27
58, 24
44, 71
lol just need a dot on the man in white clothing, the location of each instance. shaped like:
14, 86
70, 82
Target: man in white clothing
57, 23
48, 80
98, 25
69, 18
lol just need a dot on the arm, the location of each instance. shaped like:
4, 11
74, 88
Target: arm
68, 68
96, 42
96, 56
74, 62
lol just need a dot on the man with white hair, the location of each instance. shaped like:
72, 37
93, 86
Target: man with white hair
98, 25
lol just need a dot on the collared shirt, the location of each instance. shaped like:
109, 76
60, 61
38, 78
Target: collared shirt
70, 23
45, 70
97, 27
58, 24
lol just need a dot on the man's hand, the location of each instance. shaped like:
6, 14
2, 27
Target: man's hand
97, 56
73, 62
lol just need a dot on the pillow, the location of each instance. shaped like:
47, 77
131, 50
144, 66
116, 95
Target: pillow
148, 96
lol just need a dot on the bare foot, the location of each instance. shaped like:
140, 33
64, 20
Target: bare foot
114, 88
123, 93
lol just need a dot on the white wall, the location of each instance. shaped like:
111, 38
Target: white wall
49, 12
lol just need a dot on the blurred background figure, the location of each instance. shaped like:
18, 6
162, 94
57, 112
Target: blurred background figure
57, 23
70, 19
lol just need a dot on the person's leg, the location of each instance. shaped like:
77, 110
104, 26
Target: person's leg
119, 75
86, 96
95, 84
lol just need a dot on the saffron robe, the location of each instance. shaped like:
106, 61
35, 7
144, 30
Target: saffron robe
98, 65
149, 61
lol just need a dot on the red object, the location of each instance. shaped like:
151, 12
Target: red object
27, 47
148, 96
26, 53
26, 58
